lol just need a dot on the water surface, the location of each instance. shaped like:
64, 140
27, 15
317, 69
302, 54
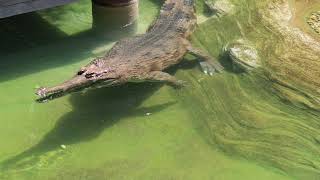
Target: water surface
229, 126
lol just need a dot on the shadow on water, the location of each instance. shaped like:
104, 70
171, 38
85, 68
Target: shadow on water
30, 44
26, 31
92, 113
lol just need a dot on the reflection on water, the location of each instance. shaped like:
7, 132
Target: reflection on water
104, 18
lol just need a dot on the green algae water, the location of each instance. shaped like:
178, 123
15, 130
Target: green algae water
230, 126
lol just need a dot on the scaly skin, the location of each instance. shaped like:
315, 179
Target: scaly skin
143, 57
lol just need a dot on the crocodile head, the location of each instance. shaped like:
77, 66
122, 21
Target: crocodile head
94, 75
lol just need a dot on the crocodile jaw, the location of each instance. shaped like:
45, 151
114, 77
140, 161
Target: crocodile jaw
76, 84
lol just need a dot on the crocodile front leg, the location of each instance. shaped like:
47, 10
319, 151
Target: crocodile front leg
208, 64
159, 76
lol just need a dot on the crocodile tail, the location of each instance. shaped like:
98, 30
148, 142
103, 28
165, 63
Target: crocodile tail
170, 4
177, 15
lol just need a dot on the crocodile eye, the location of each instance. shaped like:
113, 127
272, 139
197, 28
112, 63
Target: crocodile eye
81, 72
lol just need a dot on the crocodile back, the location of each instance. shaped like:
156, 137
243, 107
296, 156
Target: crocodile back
176, 16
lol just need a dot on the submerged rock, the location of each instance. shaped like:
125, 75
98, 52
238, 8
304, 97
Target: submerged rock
63, 146
243, 55
220, 7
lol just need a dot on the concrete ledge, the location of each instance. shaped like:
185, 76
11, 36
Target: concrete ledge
15, 7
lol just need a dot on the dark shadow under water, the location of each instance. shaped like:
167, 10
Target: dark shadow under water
93, 113
34, 38
30, 44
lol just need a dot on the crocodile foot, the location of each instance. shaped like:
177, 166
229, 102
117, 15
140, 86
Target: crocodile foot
208, 64
210, 68
179, 84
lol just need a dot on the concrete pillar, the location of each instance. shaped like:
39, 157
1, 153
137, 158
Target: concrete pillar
115, 16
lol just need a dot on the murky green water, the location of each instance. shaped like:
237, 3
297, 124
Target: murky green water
230, 126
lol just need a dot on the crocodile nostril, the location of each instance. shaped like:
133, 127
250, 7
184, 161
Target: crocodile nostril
89, 75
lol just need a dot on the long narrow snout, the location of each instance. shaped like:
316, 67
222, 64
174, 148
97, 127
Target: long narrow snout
75, 84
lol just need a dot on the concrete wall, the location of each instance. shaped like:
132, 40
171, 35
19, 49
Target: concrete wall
14, 7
